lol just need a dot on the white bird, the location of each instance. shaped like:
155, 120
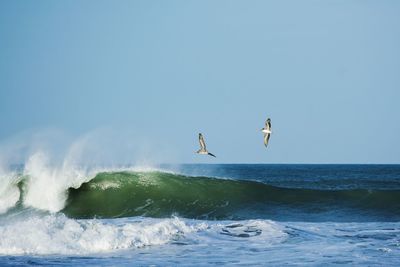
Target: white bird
203, 149
267, 130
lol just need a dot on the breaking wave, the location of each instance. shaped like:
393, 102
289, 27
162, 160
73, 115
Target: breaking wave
113, 194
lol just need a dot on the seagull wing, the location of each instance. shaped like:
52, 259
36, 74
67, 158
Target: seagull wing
211, 154
202, 143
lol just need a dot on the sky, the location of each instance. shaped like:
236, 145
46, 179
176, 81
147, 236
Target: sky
143, 78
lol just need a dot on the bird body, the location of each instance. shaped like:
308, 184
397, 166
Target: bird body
203, 149
267, 130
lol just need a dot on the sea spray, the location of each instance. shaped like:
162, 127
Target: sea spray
9, 192
46, 186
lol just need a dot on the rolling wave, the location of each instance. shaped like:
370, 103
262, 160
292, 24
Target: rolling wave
161, 194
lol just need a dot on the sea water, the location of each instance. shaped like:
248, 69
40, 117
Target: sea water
198, 215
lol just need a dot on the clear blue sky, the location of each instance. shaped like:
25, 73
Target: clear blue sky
326, 72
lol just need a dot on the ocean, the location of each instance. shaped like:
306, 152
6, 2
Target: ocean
200, 214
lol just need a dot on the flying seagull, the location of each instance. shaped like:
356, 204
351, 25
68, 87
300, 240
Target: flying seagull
267, 131
203, 149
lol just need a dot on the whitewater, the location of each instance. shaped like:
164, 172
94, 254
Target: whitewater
229, 214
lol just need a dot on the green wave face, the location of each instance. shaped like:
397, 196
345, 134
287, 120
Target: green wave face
159, 194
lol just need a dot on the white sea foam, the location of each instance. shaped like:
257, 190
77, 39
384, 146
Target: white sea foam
103, 185
57, 234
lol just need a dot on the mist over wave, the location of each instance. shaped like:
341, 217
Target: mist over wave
37, 169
